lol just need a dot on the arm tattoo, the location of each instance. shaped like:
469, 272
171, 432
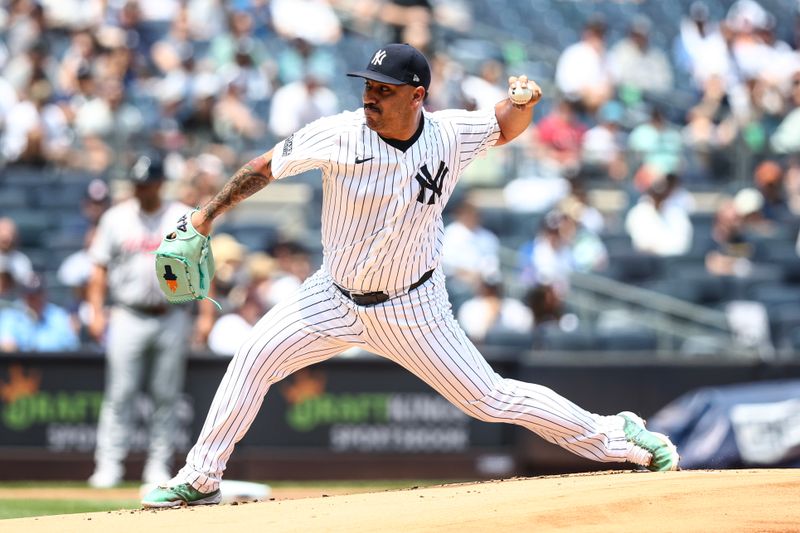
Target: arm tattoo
247, 181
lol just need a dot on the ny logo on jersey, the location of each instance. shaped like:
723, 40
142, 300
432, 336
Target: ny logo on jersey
432, 183
378, 58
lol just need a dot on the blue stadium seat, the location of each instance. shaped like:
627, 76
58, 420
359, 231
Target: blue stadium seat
31, 225
681, 289
41, 258
63, 240
626, 340
617, 244
511, 339
760, 274
549, 337
775, 294
66, 194
25, 175
704, 345
689, 279
12, 196
784, 322
634, 267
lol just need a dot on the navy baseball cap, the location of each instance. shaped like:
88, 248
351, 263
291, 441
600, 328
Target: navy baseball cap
146, 169
397, 64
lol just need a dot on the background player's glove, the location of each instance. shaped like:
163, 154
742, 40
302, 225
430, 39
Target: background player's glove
185, 264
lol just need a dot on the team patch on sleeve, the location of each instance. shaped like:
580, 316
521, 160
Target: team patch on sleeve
287, 145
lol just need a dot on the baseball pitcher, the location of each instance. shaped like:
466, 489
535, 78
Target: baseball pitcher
388, 169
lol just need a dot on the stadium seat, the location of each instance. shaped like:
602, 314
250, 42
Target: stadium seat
783, 254
687, 290
553, 338
67, 195
44, 259
626, 339
634, 267
689, 280
760, 274
25, 175
63, 240
703, 346
773, 295
12, 196
511, 339
617, 244
31, 225
784, 322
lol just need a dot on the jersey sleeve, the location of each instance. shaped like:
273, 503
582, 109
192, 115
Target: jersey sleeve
100, 251
306, 149
475, 131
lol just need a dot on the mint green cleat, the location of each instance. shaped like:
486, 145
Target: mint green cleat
179, 496
651, 450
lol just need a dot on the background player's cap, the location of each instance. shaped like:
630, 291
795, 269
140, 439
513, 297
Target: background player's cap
397, 64
146, 169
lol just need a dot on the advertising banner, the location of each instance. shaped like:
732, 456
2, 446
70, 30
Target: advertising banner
363, 405
55, 404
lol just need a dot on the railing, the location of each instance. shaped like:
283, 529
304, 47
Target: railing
674, 321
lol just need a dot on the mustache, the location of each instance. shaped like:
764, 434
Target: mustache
372, 107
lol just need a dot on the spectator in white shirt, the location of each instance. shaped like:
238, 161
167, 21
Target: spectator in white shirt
635, 64
299, 103
490, 311
312, 20
657, 226
700, 50
34, 129
18, 264
603, 147
548, 258
582, 72
231, 328
486, 89
470, 252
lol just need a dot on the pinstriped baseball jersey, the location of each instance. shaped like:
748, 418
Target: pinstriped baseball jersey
382, 207
382, 230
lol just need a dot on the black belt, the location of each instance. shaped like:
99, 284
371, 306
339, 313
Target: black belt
151, 310
374, 298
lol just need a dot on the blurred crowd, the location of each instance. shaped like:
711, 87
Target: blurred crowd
88, 85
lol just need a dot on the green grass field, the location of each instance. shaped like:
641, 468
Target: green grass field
25, 507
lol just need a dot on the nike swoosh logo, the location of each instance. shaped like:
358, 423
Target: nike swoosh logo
359, 161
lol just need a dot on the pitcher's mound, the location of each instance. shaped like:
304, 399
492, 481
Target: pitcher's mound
693, 500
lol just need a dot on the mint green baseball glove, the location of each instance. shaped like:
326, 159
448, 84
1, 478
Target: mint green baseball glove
185, 264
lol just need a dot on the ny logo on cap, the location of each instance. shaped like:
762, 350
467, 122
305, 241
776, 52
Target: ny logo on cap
378, 58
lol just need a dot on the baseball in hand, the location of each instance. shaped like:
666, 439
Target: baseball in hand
518, 90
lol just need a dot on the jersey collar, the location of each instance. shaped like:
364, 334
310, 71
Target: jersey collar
408, 143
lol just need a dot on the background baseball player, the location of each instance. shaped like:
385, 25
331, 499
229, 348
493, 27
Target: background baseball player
388, 170
146, 339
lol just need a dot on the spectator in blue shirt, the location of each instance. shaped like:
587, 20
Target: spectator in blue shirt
36, 324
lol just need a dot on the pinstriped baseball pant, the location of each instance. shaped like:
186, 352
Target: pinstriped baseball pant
416, 330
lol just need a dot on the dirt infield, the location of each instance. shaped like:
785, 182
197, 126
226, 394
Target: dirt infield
733, 500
